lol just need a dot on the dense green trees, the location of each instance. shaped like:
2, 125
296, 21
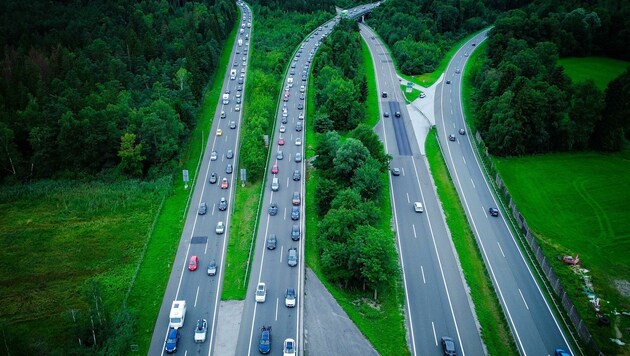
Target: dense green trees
349, 169
80, 78
525, 102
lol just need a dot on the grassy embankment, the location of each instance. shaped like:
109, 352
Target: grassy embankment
577, 204
383, 326
147, 292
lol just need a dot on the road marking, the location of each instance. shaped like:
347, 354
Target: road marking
473, 183
277, 299
484, 211
196, 296
422, 270
500, 249
281, 252
519, 292
464, 159
408, 201
413, 226
434, 334
402, 171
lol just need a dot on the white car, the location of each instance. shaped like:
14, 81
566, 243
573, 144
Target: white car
298, 141
289, 298
282, 128
261, 293
220, 228
213, 156
201, 330
417, 206
289, 348
301, 116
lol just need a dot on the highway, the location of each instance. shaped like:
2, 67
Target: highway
199, 238
436, 298
534, 326
270, 266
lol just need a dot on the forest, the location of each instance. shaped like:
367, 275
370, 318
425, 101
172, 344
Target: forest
526, 104
354, 252
103, 88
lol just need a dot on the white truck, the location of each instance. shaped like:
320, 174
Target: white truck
233, 74
290, 82
240, 41
226, 99
178, 314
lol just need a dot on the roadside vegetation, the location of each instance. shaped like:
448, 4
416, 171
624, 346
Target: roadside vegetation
350, 243
601, 70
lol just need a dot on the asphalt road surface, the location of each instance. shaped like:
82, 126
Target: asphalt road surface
437, 302
199, 238
534, 326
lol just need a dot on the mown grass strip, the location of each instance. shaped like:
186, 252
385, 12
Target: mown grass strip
146, 294
494, 329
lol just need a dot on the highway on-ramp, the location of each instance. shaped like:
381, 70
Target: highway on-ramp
437, 301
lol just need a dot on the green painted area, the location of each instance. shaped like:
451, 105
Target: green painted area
600, 70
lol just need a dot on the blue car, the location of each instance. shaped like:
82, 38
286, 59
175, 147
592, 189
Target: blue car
264, 345
171, 340
561, 352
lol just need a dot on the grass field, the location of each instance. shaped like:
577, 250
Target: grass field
578, 204
58, 237
599, 69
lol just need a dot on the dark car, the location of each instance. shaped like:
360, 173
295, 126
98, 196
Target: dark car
233, 124
284, 120
203, 208
171, 340
298, 126
223, 204
448, 346
295, 232
493, 211
295, 213
395, 171
292, 257
451, 137
296, 200
561, 352
383, 94
397, 114
462, 131
223, 114
264, 345
273, 209
300, 106
212, 268
229, 169
272, 242
213, 178
297, 175
229, 154
448, 82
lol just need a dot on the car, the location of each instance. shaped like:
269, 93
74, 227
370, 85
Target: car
395, 171
466, 54
223, 204
274, 169
237, 108
219, 132
297, 175
383, 94
239, 88
229, 169
203, 208
213, 178
302, 89
462, 131
223, 115
302, 97
295, 232
561, 352
272, 242
280, 141
212, 268
448, 346
296, 200
397, 114
457, 70
292, 258
261, 293
214, 155
288, 348
236, 64
284, 120
451, 137
232, 125
423, 95
295, 213
238, 95
227, 91
474, 44
283, 129
220, 228
172, 337
299, 126
301, 116
300, 106
385, 114
224, 183
193, 263
201, 330
493, 211
264, 344
229, 154
289, 298
298, 157
240, 81
273, 209
285, 99
298, 141
417, 207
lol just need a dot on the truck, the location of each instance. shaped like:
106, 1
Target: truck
290, 82
226, 99
233, 74
240, 41
178, 314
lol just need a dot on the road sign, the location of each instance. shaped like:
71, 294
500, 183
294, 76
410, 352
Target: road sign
185, 176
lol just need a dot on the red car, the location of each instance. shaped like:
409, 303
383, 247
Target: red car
274, 169
194, 262
281, 142
224, 183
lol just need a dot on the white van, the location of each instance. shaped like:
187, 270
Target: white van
226, 99
275, 185
233, 74
178, 314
